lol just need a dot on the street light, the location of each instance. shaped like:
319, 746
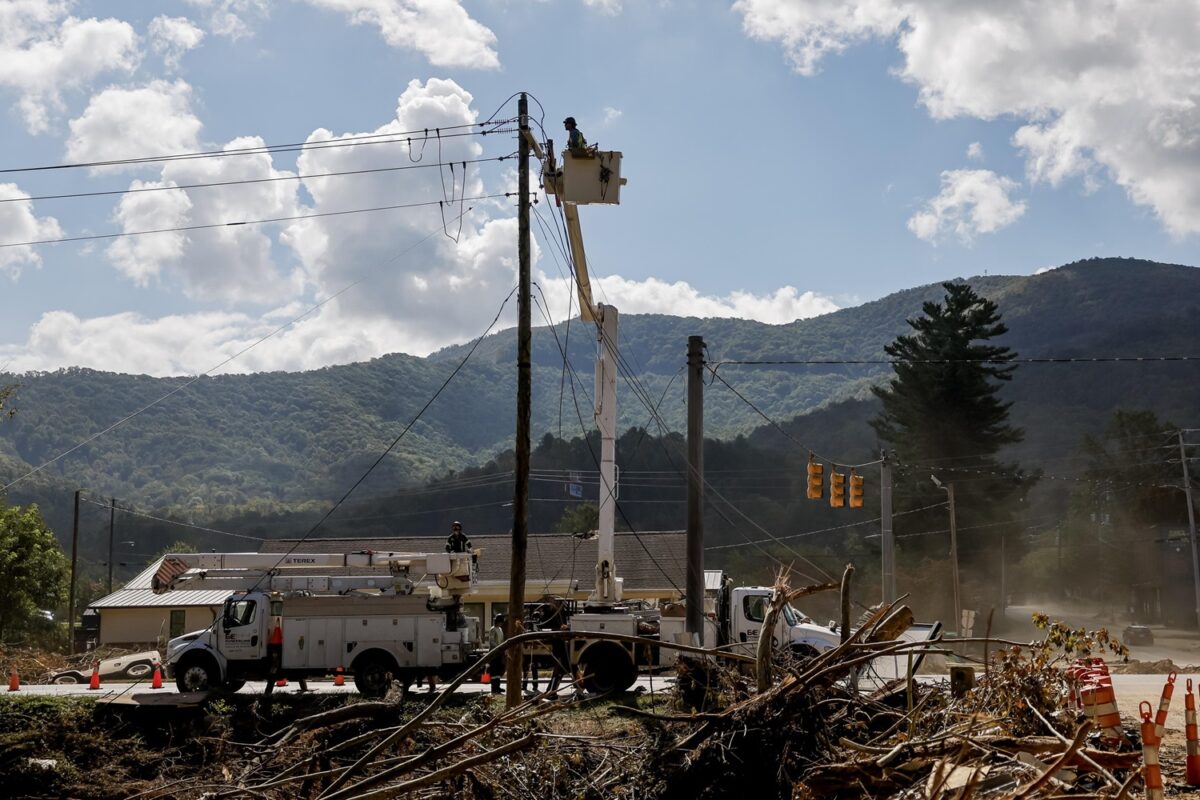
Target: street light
949, 490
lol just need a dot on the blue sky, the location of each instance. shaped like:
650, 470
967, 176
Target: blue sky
784, 157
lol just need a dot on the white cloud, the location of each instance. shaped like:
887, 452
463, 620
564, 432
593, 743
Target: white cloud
654, 296
43, 51
441, 30
233, 264
611, 114
607, 6
171, 37
18, 223
975, 151
232, 18
971, 201
155, 119
1108, 88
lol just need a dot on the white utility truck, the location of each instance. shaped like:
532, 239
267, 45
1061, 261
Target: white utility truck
308, 614
591, 177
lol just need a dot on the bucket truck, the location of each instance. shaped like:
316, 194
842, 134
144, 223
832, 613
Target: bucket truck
594, 177
308, 614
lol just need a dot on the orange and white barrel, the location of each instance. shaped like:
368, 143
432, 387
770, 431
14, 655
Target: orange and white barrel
1151, 771
1193, 739
1100, 706
1164, 704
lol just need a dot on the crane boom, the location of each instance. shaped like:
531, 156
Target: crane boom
453, 573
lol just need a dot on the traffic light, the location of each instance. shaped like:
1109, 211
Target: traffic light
856, 490
816, 479
837, 489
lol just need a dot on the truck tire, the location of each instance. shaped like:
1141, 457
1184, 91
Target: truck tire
197, 673
373, 674
607, 667
233, 685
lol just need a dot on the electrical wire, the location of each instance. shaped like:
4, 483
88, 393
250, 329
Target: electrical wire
894, 361
144, 515
211, 225
247, 181
346, 141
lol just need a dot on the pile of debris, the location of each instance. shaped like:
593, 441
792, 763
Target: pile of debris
792, 727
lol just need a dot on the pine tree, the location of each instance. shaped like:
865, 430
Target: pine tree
942, 414
943, 404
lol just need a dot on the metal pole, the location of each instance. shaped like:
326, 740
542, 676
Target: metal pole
888, 538
695, 496
112, 525
1003, 575
520, 528
1187, 493
954, 561
71, 591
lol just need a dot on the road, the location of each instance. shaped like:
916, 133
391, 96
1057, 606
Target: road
1130, 691
110, 690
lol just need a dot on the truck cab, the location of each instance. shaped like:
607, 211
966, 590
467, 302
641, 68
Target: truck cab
223, 653
745, 610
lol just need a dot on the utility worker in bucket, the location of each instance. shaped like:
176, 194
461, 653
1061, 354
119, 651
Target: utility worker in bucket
457, 541
575, 140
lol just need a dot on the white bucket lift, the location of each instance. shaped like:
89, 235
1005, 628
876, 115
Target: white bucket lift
586, 177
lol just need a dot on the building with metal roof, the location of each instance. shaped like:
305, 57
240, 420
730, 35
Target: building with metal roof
135, 616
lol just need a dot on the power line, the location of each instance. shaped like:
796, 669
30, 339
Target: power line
894, 361
297, 177
346, 141
209, 226
144, 515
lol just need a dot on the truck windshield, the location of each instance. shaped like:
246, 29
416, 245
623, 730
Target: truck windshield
790, 616
239, 612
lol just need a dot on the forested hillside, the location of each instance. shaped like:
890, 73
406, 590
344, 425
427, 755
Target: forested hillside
251, 442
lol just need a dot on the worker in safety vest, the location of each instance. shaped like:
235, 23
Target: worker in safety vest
575, 140
457, 541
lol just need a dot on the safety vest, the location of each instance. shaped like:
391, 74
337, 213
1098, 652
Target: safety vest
575, 140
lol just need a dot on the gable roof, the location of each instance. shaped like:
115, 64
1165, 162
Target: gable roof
137, 594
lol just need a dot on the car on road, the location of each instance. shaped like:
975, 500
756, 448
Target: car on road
1137, 635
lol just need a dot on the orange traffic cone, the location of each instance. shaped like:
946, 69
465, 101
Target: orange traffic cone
1193, 739
14, 683
156, 681
94, 683
1164, 704
339, 677
281, 682
486, 677
1152, 771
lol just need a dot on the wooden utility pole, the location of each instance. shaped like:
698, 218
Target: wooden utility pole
887, 536
694, 585
71, 591
520, 528
1187, 493
954, 561
112, 526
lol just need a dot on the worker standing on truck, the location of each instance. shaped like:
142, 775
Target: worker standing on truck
575, 140
457, 541
495, 639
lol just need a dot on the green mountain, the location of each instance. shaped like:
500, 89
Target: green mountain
256, 440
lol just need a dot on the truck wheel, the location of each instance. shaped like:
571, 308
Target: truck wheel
373, 674
197, 674
607, 667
